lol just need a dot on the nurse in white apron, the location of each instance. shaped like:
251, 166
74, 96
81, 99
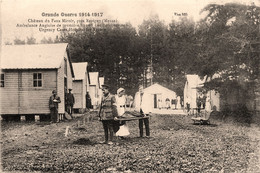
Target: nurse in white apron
121, 104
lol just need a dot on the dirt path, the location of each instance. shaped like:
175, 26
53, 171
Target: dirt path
254, 162
176, 145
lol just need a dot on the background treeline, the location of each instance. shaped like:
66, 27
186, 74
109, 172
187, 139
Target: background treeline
224, 46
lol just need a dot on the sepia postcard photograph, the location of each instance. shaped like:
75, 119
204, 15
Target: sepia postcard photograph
130, 86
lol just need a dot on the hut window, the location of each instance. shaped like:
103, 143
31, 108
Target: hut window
2, 80
37, 79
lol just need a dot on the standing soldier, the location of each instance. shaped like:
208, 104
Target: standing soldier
198, 104
106, 114
88, 101
65, 98
144, 110
70, 102
53, 105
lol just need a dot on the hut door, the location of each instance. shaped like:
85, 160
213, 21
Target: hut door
65, 92
155, 100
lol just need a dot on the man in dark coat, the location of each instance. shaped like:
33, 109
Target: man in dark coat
70, 102
106, 114
53, 105
198, 104
88, 101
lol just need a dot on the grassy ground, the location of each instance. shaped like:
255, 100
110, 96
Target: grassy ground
176, 145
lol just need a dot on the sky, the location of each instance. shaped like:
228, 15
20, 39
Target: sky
15, 12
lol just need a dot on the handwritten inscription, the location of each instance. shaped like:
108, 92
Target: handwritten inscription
181, 14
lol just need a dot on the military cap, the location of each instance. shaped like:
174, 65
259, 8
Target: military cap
105, 86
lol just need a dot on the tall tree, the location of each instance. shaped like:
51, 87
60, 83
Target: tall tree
8, 43
181, 50
229, 49
47, 41
153, 33
30, 40
18, 41
110, 50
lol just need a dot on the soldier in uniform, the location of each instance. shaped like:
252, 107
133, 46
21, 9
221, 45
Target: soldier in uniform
53, 105
88, 101
106, 114
70, 102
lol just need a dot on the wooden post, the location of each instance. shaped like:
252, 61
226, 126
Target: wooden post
22, 118
67, 131
36, 118
84, 120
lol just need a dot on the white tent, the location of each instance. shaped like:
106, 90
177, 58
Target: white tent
100, 93
152, 97
191, 92
94, 88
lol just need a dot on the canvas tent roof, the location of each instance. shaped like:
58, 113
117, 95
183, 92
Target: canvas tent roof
79, 70
147, 103
94, 80
195, 81
37, 56
156, 88
101, 81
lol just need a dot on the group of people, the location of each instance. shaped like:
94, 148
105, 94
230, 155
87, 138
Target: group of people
111, 109
201, 103
54, 101
204, 103
170, 104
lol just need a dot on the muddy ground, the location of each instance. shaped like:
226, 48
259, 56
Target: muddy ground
175, 145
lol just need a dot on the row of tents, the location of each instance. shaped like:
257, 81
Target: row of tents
156, 96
